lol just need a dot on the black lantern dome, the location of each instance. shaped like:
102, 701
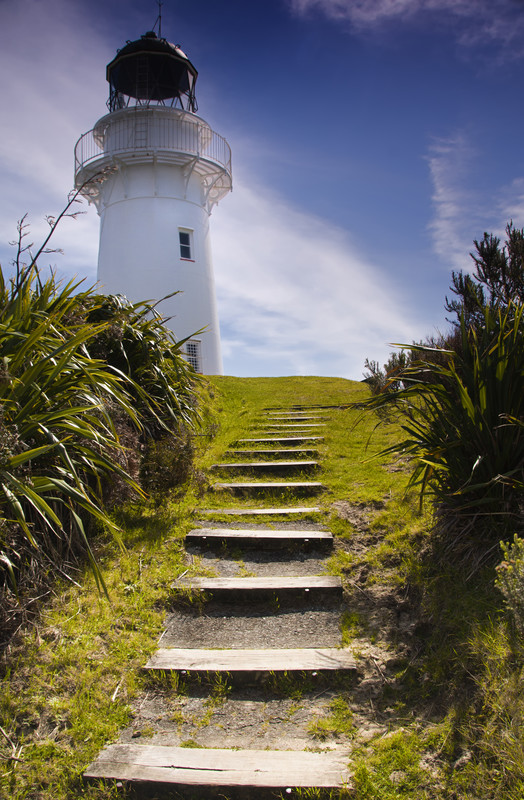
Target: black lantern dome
151, 71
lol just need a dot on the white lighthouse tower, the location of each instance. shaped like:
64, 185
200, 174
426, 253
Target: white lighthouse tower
169, 168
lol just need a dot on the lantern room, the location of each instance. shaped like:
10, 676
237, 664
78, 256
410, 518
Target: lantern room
151, 71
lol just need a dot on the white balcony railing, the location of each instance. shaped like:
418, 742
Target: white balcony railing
172, 133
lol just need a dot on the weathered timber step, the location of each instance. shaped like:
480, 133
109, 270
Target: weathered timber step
292, 425
298, 414
246, 512
298, 408
268, 466
290, 588
269, 582
295, 412
311, 408
288, 440
251, 487
271, 418
281, 453
260, 537
255, 661
300, 430
183, 766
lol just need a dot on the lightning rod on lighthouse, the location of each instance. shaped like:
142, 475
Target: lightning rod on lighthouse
169, 168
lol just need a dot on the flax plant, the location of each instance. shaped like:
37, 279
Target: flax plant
76, 370
135, 342
58, 440
462, 426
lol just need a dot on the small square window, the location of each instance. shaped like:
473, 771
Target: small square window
184, 237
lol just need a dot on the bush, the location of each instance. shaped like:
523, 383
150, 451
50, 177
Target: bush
462, 422
510, 581
59, 440
77, 405
167, 464
386, 380
135, 343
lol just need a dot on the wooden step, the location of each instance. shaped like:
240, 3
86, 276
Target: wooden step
293, 425
310, 408
295, 412
286, 588
300, 432
247, 512
269, 582
268, 466
282, 453
235, 661
251, 487
298, 415
296, 408
184, 766
291, 418
259, 537
288, 440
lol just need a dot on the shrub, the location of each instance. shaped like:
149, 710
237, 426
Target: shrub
462, 422
135, 343
510, 581
73, 423
85, 380
385, 380
167, 464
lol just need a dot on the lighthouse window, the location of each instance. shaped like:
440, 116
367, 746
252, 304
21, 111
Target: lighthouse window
184, 238
193, 354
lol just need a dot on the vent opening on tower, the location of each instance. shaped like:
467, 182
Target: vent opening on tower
193, 354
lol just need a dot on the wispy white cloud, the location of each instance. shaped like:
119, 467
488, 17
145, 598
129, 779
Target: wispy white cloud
512, 203
456, 210
294, 292
53, 89
462, 211
498, 21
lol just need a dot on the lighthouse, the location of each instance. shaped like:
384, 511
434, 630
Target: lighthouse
155, 170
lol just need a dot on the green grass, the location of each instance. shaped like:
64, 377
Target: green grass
69, 679
395, 768
351, 626
351, 470
338, 723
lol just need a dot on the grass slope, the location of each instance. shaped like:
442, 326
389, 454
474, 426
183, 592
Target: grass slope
451, 706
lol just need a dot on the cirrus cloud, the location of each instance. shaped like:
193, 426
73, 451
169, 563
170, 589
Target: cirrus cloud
497, 21
295, 294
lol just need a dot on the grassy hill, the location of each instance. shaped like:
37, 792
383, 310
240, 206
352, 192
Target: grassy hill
439, 715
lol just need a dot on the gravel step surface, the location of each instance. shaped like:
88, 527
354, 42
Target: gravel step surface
262, 563
241, 628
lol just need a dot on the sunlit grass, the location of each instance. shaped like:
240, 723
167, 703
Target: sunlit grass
70, 678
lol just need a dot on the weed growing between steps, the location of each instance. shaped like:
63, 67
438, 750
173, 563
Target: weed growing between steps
297, 685
338, 722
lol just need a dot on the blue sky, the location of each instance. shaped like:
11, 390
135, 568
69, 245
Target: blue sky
372, 141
